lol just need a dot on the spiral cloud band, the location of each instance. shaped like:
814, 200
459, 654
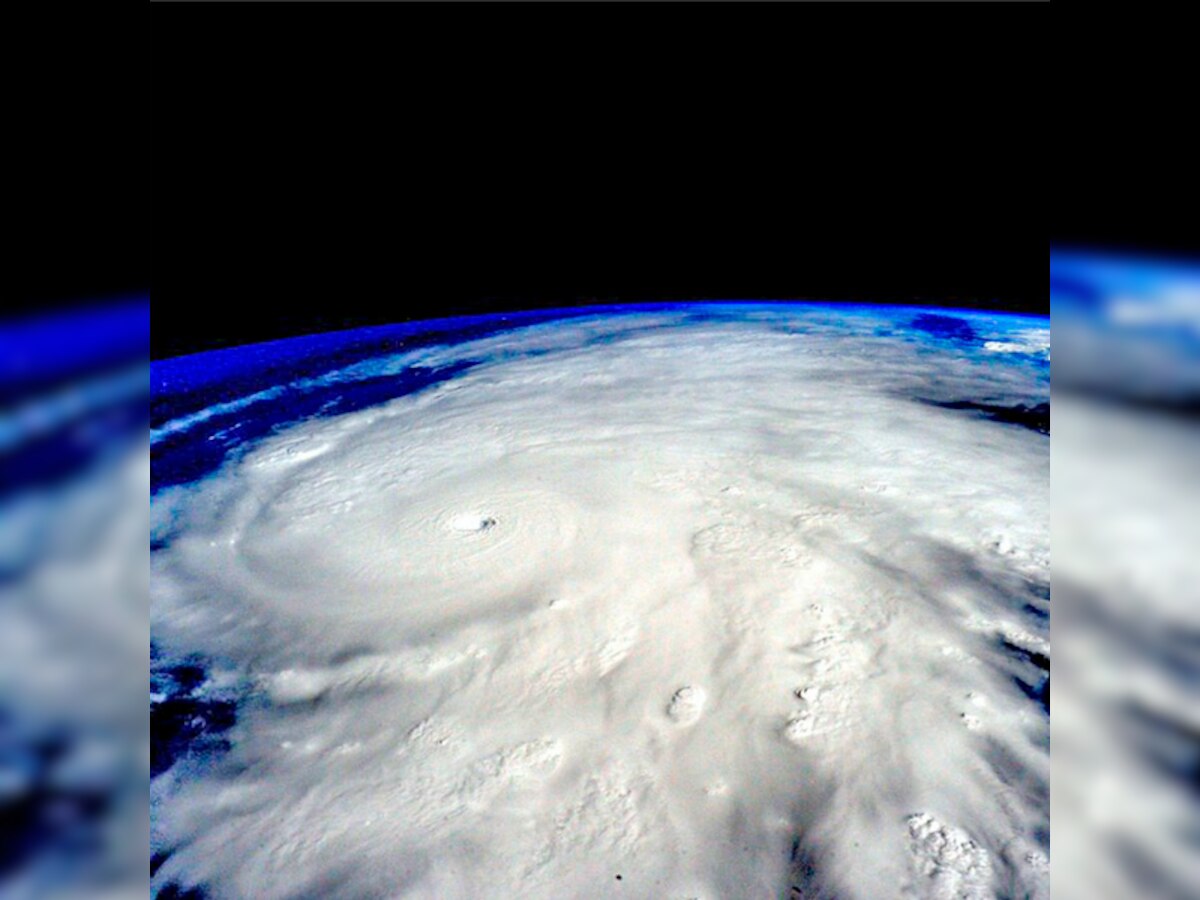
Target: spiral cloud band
722, 601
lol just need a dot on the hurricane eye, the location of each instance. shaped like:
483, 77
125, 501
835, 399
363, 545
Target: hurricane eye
472, 522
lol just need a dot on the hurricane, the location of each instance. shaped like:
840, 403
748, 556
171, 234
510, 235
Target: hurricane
694, 600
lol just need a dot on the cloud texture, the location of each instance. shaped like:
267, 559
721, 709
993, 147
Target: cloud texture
707, 602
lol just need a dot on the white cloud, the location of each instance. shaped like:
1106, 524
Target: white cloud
737, 595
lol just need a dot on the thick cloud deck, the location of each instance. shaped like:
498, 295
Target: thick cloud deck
675, 603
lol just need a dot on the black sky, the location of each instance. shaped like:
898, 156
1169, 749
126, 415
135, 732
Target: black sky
77, 168
365, 167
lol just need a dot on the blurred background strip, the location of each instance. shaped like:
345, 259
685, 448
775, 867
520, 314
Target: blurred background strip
1125, 476
74, 632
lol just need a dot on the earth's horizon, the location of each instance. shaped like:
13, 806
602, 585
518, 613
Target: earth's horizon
665, 600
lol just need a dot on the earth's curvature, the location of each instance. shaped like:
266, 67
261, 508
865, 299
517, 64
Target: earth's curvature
737, 600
